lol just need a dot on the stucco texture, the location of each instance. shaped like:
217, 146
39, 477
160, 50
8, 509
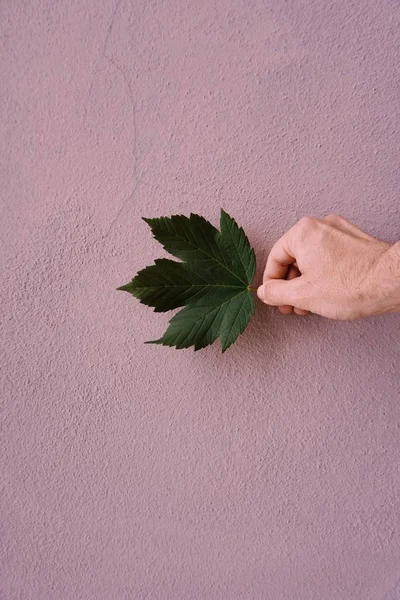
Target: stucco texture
136, 472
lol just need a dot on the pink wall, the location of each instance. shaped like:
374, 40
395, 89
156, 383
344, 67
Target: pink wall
138, 472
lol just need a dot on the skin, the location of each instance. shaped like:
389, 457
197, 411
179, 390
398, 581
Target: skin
332, 268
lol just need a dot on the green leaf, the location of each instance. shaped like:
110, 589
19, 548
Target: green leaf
168, 284
212, 283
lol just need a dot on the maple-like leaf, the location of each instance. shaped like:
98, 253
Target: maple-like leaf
212, 283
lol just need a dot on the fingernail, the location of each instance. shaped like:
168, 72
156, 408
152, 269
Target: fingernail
260, 293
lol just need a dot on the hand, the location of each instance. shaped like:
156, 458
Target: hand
332, 268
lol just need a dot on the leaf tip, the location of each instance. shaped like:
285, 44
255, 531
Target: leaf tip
226, 218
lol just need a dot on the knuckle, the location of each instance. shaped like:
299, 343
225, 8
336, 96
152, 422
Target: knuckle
308, 222
334, 219
331, 218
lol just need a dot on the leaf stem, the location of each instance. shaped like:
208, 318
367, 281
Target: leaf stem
252, 289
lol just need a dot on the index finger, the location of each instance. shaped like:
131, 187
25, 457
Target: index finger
280, 257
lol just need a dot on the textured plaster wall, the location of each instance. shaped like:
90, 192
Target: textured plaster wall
138, 472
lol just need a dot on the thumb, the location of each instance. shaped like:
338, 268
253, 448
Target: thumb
281, 292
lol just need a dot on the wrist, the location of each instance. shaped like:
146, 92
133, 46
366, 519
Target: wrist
396, 275
387, 281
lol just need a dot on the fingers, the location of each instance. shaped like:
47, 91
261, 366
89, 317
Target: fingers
293, 272
344, 225
282, 264
279, 259
300, 312
286, 310
284, 252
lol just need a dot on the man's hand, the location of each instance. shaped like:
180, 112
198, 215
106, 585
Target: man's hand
332, 268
